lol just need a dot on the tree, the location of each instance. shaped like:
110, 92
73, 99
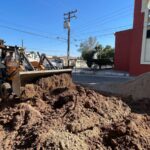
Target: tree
106, 53
95, 54
87, 48
88, 56
99, 50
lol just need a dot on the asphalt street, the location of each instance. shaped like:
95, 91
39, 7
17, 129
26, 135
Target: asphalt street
101, 83
93, 79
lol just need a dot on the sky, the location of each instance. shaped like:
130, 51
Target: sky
40, 23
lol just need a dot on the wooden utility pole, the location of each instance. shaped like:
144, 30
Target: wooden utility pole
67, 19
22, 43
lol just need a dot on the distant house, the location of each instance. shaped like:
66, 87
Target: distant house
72, 60
132, 47
32, 56
81, 64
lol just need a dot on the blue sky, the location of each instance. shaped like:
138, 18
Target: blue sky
100, 18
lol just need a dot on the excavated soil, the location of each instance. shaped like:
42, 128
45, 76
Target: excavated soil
56, 114
137, 88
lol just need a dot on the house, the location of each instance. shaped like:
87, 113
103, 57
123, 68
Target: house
132, 47
72, 60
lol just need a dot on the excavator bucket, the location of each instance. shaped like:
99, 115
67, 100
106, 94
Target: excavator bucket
29, 77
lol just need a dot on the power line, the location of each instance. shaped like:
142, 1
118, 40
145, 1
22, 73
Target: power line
100, 35
106, 20
104, 29
81, 33
33, 33
108, 34
119, 28
28, 27
37, 49
111, 14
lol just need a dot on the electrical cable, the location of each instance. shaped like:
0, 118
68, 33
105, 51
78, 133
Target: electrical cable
32, 33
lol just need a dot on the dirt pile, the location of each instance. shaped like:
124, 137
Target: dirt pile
56, 114
137, 88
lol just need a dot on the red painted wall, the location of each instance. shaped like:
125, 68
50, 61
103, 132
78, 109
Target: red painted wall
122, 51
135, 56
133, 44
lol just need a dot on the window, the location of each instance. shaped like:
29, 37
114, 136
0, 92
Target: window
148, 25
148, 34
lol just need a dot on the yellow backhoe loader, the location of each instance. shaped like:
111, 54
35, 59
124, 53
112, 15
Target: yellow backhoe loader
16, 70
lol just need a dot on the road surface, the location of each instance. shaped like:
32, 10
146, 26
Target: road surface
92, 79
100, 83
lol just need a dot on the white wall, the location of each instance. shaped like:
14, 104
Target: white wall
145, 54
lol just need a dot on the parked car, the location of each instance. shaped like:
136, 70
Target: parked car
58, 63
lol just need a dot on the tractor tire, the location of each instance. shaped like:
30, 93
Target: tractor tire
5, 91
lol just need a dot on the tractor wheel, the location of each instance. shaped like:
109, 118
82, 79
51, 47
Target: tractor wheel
5, 91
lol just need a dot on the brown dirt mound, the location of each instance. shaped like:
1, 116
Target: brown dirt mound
137, 88
56, 114
131, 133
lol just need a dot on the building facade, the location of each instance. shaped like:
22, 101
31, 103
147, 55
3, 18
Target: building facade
132, 47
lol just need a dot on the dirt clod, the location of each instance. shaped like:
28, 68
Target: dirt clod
56, 114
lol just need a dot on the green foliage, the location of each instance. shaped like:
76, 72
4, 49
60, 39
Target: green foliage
99, 48
91, 48
87, 48
106, 52
87, 55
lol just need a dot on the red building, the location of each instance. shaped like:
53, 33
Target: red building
132, 47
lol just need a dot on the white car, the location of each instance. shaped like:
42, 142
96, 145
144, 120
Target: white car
58, 63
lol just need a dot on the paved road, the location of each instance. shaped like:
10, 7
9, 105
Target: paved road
92, 79
100, 83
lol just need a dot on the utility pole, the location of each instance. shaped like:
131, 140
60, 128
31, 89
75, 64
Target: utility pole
22, 43
67, 19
